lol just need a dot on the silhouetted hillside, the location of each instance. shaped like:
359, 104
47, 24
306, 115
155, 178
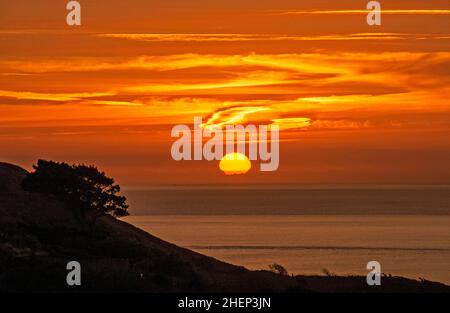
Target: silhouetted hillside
39, 235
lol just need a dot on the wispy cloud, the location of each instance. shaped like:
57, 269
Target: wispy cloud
64, 97
231, 116
398, 11
339, 63
265, 37
308, 91
292, 122
111, 103
251, 79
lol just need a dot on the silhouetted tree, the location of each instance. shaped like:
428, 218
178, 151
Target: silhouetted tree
82, 188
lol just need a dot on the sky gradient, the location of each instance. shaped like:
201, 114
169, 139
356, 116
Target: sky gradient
356, 104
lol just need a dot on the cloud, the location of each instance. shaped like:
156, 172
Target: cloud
251, 37
267, 37
62, 97
231, 116
251, 79
308, 91
292, 122
346, 12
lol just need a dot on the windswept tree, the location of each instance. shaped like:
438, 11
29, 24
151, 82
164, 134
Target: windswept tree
84, 189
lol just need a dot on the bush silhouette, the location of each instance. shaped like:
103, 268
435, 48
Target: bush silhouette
84, 189
278, 269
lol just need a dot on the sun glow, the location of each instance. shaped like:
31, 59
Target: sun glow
235, 164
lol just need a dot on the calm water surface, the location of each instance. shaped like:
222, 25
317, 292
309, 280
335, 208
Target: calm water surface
406, 245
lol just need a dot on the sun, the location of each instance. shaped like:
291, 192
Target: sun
235, 164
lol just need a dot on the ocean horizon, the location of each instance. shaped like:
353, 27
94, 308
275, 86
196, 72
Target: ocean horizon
290, 200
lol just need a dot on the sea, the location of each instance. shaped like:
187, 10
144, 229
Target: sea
310, 230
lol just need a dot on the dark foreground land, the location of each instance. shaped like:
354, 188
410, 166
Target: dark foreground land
39, 236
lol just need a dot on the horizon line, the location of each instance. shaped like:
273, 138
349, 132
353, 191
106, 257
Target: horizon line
281, 186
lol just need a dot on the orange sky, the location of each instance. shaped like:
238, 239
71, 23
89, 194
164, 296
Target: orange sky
356, 104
